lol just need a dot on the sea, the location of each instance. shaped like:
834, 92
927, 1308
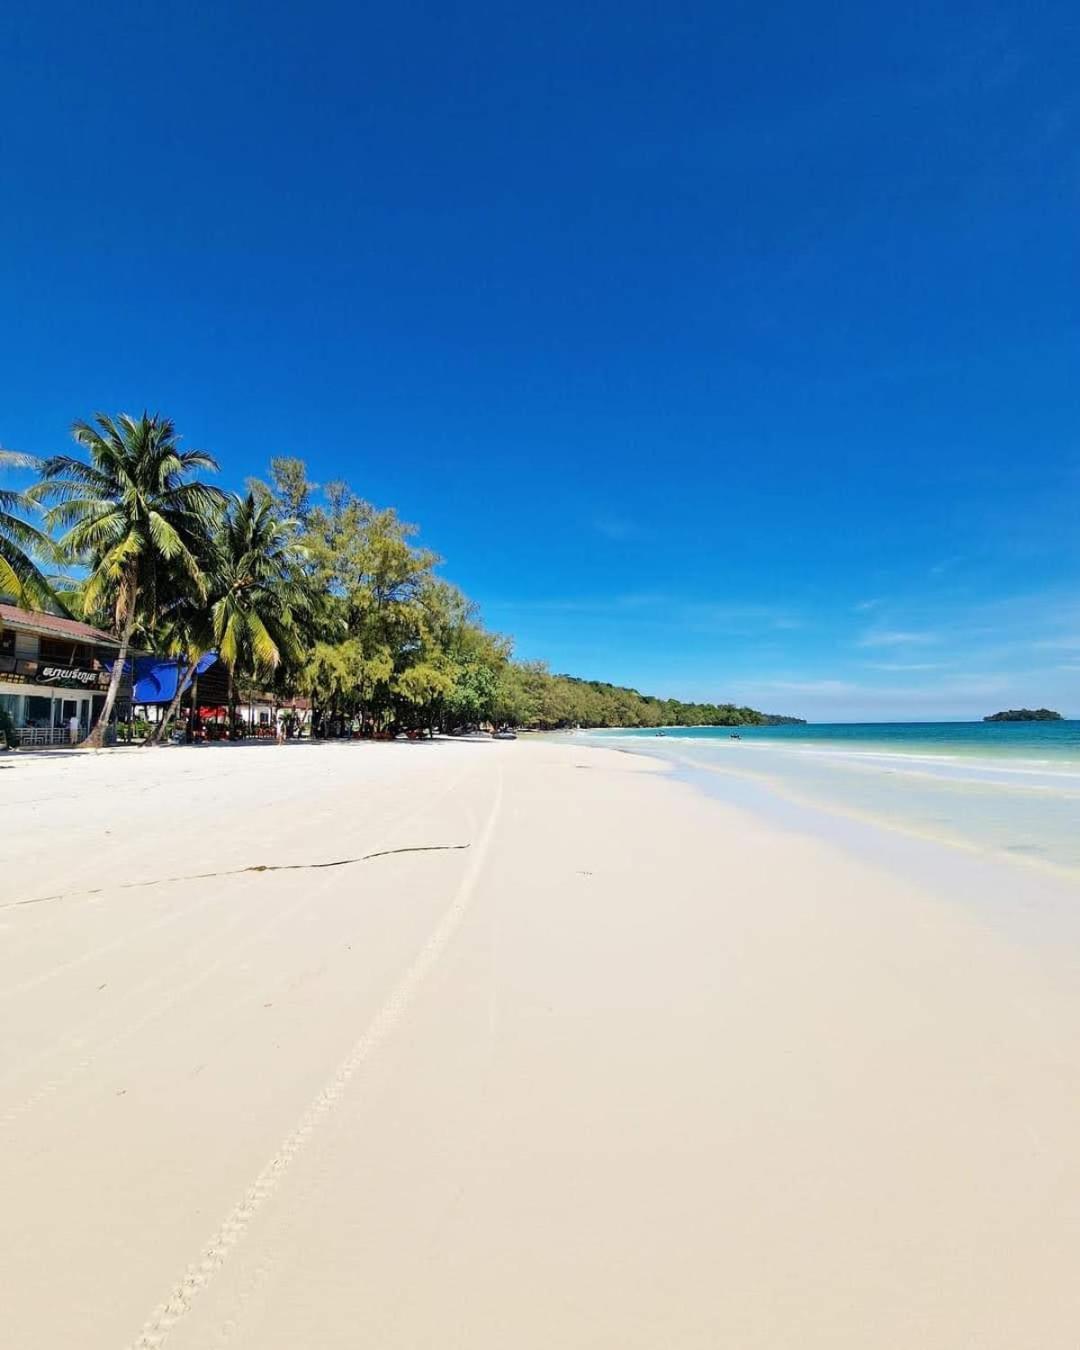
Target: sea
1004, 789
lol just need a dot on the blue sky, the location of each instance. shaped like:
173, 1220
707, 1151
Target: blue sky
728, 351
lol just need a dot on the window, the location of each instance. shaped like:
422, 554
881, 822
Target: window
12, 704
57, 652
38, 711
7, 642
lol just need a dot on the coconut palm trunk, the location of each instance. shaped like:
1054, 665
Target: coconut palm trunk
96, 738
193, 707
174, 706
232, 705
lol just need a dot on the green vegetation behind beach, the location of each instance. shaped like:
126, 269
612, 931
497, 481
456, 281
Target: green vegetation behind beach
301, 590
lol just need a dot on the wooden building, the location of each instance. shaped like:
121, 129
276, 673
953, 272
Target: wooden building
53, 669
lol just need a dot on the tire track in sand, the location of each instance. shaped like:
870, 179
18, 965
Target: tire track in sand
213, 1256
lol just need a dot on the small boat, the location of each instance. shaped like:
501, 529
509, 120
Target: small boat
505, 735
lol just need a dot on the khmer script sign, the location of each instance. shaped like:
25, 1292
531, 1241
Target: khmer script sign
68, 675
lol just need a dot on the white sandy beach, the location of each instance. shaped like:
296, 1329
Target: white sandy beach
583, 1059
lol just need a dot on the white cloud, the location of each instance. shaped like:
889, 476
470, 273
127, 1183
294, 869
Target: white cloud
936, 698
718, 617
1066, 643
895, 637
810, 686
906, 665
915, 659
945, 565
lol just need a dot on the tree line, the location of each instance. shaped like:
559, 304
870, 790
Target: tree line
300, 591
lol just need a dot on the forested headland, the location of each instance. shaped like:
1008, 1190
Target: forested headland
301, 590
563, 700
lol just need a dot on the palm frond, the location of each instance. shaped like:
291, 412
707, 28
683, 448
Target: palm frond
17, 459
94, 535
197, 459
20, 578
264, 650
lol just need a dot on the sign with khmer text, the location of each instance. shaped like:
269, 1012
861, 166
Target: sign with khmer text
69, 675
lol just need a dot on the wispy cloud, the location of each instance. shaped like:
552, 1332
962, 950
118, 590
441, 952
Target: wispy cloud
942, 696
809, 686
896, 637
906, 665
945, 565
918, 655
658, 607
619, 529
1067, 642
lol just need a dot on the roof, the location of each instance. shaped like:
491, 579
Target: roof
156, 677
52, 625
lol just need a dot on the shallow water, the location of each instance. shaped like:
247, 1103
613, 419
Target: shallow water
1010, 789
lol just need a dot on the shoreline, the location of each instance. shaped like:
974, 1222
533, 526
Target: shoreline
524, 1039
1017, 815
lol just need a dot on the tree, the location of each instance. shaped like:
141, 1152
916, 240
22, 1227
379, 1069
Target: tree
20, 576
369, 579
289, 489
517, 698
255, 592
474, 696
132, 512
451, 637
186, 634
424, 686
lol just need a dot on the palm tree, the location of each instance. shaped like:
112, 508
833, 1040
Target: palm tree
20, 576
185, 634
134, 516
257, 592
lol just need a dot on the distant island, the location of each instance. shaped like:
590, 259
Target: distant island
1025, 715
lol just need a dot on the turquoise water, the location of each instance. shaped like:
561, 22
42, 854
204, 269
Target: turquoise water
1038, 742
1005, 788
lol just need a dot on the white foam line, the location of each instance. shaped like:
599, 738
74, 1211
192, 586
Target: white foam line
214, 1255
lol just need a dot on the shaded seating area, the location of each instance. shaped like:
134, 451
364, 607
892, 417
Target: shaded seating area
204, 706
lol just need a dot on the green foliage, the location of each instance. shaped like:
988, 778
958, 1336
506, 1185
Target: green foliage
304, 591
532, 697
423, 686
474, 692
139, 729
22, 543
256, 588
133, 512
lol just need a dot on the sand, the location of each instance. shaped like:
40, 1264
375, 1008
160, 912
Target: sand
581, 1059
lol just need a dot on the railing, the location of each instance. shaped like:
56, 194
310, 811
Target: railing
44, 735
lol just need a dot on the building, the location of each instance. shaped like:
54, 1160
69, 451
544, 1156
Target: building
156, 679
53, 669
